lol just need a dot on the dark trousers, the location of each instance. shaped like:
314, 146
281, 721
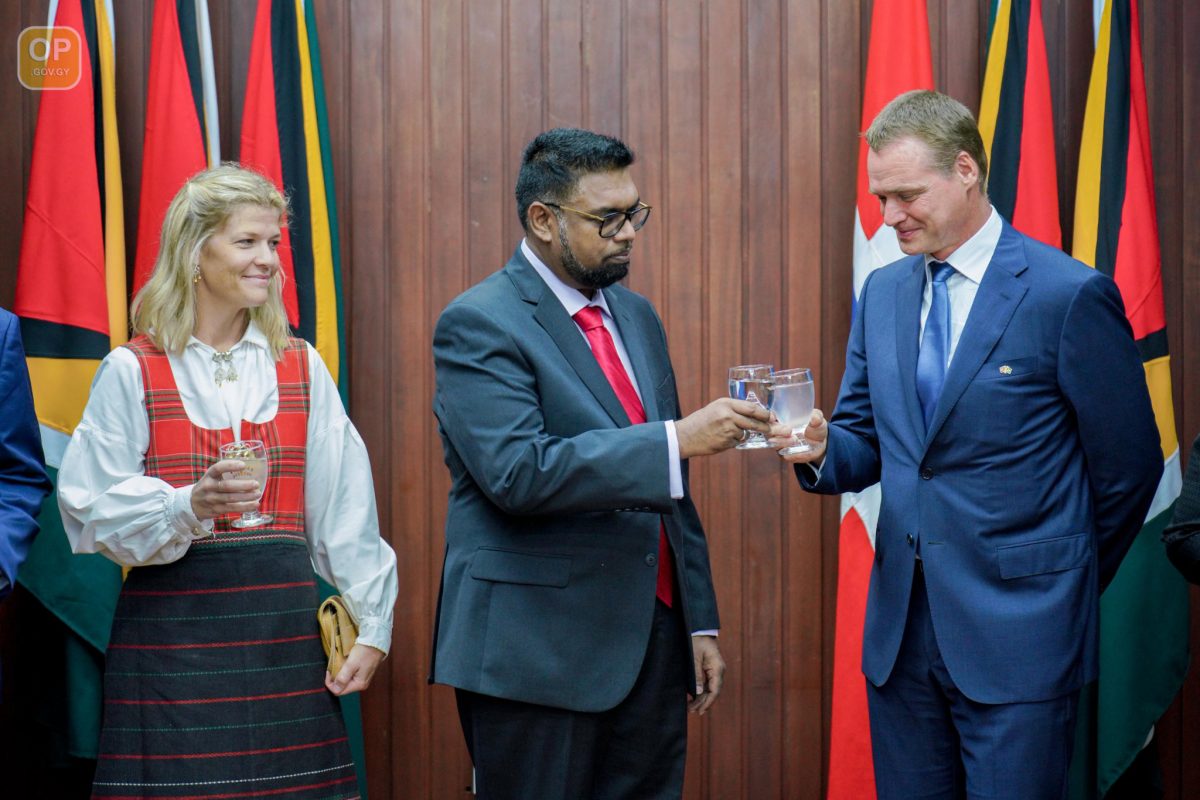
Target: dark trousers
929, 740
634, 751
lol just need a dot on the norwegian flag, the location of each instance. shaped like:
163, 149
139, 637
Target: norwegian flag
898, 60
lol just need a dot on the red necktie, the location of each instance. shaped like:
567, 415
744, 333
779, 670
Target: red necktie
588, 318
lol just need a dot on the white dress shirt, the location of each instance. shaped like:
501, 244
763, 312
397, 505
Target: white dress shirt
110, 506
572, 300
970, 262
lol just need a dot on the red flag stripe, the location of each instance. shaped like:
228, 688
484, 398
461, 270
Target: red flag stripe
174, 139
898, 60
260, 138
1138, 267
62, 243
1036, 211
851, 774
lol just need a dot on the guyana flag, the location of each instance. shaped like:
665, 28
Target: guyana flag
71, 299
1016, 123
181, 136
1144, 612
285, 136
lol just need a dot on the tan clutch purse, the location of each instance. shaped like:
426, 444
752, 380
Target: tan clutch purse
338, 632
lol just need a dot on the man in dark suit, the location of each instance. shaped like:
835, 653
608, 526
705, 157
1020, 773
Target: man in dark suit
23, 481
576, 566
1002, 404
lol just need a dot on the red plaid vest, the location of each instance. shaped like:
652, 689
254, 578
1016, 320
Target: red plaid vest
180, 451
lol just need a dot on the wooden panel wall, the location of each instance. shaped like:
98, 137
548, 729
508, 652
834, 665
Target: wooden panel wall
744, 115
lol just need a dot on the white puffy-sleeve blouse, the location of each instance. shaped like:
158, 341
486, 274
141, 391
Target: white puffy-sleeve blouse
110, 506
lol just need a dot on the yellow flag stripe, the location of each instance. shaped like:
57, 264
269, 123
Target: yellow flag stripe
1091, 149
989, 103
60, 390
324, 287
1158, 379
114, 212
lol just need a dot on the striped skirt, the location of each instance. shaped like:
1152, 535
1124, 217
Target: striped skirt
215, 683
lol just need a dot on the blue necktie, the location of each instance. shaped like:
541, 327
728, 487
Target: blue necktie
935, 344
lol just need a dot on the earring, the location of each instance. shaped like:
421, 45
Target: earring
196, 274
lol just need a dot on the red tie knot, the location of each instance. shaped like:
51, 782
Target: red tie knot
588, 318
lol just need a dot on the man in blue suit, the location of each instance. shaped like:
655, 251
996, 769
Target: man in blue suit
23, 481
575, 565
1001, 402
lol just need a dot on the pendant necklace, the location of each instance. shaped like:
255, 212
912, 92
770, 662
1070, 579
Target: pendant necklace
223, 369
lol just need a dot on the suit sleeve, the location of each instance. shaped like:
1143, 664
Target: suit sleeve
852, 452
23, 481
1101, 375
696, 568
1183, 545
489, 405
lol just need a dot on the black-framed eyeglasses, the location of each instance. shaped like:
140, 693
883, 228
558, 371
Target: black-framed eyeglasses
611, 224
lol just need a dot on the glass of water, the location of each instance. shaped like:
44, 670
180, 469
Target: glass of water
792, 400
253, 454
752, 382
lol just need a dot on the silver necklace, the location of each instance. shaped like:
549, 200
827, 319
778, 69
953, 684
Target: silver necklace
223, 369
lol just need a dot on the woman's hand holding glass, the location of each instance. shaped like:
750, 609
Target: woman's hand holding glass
214, 494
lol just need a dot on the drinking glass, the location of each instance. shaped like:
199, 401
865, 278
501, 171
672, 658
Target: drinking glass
792, 400
253, 454
752, 382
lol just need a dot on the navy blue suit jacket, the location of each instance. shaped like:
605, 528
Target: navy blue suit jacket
552, 525
23, 481
1030, 484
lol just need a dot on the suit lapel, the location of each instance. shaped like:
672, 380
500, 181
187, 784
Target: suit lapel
999, 295
550, 314
635, 348
908, 326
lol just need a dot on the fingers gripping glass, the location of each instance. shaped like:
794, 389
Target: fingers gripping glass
792, 401
752, 382
611, 224
253, 455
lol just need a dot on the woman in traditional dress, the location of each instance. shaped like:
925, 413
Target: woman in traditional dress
215, 679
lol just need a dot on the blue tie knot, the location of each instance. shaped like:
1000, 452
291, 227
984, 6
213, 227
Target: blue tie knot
941, 271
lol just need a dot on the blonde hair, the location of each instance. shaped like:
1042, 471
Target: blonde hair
941, 122
165, 308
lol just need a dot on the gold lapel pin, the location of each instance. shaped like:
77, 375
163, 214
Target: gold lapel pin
1006, 370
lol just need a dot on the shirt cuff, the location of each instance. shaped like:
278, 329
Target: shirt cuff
375, 633
182, 519
813, 470
705, 633
673, 466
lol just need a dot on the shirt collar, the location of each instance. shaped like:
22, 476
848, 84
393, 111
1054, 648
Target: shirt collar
571, 298
972, 257
252, 336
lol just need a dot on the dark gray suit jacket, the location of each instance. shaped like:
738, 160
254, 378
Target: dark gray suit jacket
553, 521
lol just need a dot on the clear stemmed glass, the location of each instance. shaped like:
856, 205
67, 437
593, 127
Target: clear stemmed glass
752, 382
792, 400
252, 453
